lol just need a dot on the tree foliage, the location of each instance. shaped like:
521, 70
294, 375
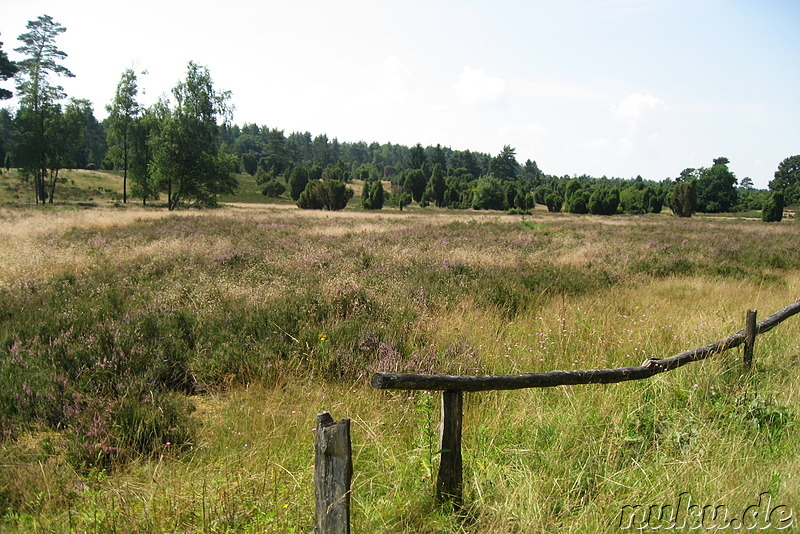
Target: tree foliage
146, 127
38, 115
249, 163
43, 60
6, 137
684, 199
298, 179
372, 197
187, 162
656, 200
273, 188
604, 201
7, 71
773, 207
504, 166
331, 195
716, 188
182, 151
489, 194
437, 186
417, 159
466, 160
554, 202
787, 180
577, 201
415, 183
122, 113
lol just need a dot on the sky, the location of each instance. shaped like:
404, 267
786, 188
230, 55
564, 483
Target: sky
601, 87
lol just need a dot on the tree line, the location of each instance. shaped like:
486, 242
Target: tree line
186, 149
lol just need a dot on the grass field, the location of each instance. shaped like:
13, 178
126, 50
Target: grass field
161, 372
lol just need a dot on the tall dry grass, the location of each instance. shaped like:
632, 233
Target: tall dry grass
286, 313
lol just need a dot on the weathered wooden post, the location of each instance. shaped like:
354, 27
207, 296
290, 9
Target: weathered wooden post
751, 329
449, 482
333, 472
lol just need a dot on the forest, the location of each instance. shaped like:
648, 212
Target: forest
184, 150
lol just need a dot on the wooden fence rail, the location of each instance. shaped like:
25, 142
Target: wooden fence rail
571, 378
333, 459
449, 479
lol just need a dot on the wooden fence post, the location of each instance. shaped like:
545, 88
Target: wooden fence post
449, 482
751, 329
333, 472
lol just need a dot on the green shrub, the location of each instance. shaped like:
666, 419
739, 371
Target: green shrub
372, 197
489, 195
263, 175
634, 199
104, 432
540, 193
604, 201
577, 202
298, 180
684, 199
249, 164
772, 211
553, 201
656, 200
273, 188
331, 195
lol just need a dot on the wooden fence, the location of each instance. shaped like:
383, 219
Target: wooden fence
449, 481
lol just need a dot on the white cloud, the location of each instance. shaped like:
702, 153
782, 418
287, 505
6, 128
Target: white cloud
632, 108
475, 86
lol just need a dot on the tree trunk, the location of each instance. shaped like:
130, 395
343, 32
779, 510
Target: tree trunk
53, 186
170, 207
125, 173
41, 191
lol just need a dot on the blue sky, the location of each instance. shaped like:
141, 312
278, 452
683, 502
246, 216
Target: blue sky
602, 87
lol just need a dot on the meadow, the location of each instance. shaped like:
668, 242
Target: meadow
161, 372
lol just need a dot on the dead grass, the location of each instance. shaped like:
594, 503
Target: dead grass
562, 459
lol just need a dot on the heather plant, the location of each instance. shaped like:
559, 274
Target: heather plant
162, 372
148, 425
